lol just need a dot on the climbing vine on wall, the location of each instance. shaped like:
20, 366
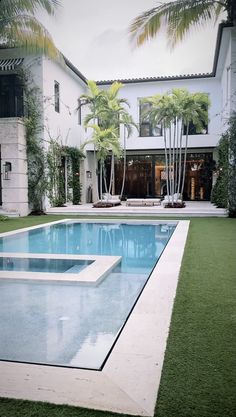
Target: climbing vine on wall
220, 189
224, 192
37, 183
63, 161
56, 182
74, 183
56, 172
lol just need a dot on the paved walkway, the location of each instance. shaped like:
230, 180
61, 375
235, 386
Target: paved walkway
192, 209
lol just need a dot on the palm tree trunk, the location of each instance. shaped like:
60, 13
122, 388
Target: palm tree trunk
170, 165
173, 158
111, 173
124, 167
180, 159
96, 170
105, 179
177, 156
166, 162
101, 171
185, 159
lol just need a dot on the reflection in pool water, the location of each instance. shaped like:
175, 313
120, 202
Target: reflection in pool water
76, 324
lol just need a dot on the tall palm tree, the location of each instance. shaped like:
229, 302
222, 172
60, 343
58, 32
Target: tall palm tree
175, 110
178, 16
108, 111
20, 28
128, 123
104, 141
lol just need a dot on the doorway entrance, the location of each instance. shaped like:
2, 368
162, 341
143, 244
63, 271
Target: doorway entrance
146, 176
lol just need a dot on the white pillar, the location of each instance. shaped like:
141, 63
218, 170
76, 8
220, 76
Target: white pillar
13, 151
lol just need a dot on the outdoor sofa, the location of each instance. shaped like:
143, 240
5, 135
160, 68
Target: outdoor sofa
107, 198
143, 202
168, 199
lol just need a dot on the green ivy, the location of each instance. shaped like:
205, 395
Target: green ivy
56, 176
75, 156
56, 182
224, 191
232, 166
37, 183
220, 190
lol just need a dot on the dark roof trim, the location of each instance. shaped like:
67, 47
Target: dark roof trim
178, 77
161, 78
218, 43
75, 70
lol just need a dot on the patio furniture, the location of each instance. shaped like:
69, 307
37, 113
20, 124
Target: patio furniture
143, 202
110, 199
168, 199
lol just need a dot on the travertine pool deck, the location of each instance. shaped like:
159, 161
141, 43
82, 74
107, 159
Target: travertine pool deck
129, 380
192, 209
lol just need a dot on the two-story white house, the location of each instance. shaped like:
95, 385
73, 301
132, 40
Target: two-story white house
61, 85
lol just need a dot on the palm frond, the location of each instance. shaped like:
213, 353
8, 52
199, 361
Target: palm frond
16, 7
28, 33
176, 16
93, 88
114, 89
20, 28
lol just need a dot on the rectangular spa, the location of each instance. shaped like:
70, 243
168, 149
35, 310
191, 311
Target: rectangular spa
51, 265
73, 324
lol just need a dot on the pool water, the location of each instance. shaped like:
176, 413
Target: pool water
70, 266
68, 324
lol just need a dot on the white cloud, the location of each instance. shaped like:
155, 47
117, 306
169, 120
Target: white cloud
94, 36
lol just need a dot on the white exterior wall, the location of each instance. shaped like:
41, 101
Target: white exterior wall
63, 125
135, 91
226, 74
13, 150
233, 70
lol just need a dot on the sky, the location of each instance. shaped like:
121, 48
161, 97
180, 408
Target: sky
93, 35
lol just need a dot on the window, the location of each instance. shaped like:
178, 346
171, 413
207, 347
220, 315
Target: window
79, 112
192, 128
146, 127
57, 96
11, 96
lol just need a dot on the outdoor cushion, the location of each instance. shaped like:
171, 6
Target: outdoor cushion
110, 199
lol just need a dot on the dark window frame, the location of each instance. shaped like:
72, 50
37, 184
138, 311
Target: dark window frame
79, 112
146, 125
57, 96
11, 96
192, 127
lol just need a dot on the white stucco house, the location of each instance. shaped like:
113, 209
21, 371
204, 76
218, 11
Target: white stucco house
61, 85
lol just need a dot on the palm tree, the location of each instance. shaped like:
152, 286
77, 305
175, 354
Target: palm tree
178, 16
104, 141
107, 111
127, 121
175, 110
20, 28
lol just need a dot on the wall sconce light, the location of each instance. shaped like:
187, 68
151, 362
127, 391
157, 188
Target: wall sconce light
7, 169
88, 174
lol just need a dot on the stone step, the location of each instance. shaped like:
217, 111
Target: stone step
9, 213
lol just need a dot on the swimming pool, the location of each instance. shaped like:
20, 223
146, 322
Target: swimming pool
75, 324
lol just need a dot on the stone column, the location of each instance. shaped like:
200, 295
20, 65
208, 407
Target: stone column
15, 181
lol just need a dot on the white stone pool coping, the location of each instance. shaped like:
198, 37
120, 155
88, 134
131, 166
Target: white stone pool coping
93, 273
129, 381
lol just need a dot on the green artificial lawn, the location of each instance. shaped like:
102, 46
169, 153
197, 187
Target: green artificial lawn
199, 373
